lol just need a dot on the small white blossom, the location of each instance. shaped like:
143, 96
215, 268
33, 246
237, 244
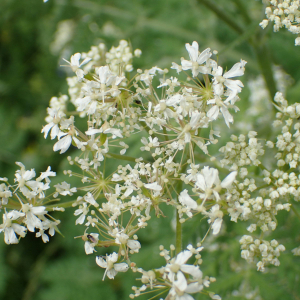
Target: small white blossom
110, 265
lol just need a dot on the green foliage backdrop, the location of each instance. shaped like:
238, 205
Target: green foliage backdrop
30, 74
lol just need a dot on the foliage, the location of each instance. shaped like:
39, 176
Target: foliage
32, 47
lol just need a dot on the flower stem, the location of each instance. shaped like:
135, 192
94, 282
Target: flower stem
214, 7
178, 244
120, 156
295, 211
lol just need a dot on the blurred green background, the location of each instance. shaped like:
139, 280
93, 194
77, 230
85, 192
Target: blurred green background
34, 36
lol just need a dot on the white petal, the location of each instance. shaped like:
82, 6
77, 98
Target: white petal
54, 132
63, 144
213, 112
237, 70
134, 245
186, 200
201, 182
10, 236
229, 180
186, 64
204, 56
121, 267
180, 283
101, 262
192, 50
216, 226
93, 131
75, 59
111, 273
227, 116
192, 270
153, 186
89, 249
194, 287
46, 129
183, 257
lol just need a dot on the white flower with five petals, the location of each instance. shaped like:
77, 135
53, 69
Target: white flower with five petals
110, 265
75, 65
196, 59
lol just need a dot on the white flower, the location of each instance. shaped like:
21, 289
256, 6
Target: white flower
75, 65
205, 181
208, 181
219, 105
23, 178
90, 199
64, 189
123, 239
10, 228
181, 290
32, 214
82, 211
178, 265
196, 59
187, 201
45, 175
65, 140
109, 263
234, 85
106, 79
153, 142
105, 129
134, 245
42, 234
5, 193
91, 242
216, 216
55, 116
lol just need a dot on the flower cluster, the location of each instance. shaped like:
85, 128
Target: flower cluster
27, 197
268, 252
177, 278
168, 119
284, 13
170, 122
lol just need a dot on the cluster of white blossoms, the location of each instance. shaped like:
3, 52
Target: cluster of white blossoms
267, 251
169, 121
177, 277
23, 205
284, 13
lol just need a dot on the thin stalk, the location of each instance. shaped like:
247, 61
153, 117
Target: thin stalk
295, 211
178, 244
243, 10
64, 205
229, 20
263, 58
121, 157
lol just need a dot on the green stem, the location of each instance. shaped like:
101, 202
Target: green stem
178, 244
64, 205
219, 11
265, 64
295, 211
243, 10
120, 156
